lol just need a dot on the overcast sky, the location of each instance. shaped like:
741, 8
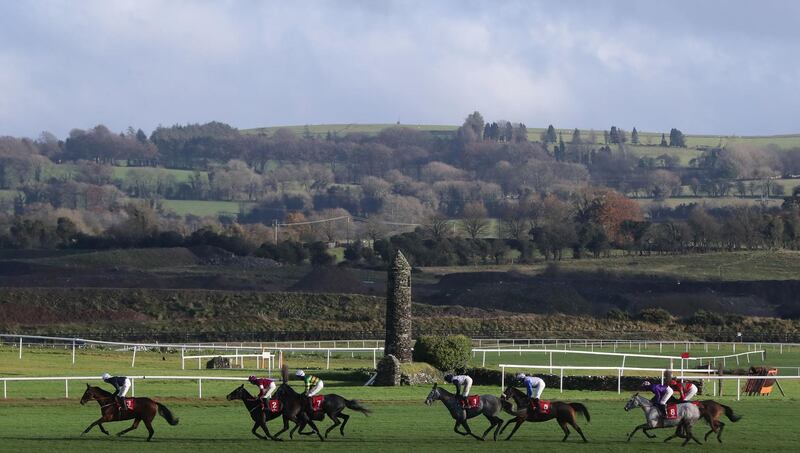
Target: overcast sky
727, 67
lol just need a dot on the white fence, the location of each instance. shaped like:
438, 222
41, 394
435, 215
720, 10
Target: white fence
588, 343
703, 375
133, 379
684, 361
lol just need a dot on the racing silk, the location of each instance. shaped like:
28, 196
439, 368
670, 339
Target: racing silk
661, 392
263, 385
117, 381
687, 391
463, 384
311, 381
531, 383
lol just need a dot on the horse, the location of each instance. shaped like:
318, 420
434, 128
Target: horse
256, 410
144, 409
489, 407
333, 406
711, 411
565, 413
688, 414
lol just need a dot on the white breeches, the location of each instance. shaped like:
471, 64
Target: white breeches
125, 387
537, 390
270, 391
667, 396
316, 389
690, 393
466, 386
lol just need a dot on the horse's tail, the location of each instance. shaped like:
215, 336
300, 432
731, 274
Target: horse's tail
581, 409
729, 413
356, 406
167, 414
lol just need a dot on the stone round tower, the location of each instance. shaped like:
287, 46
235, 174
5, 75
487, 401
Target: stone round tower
398, 309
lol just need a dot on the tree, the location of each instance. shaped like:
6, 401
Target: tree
437, 226
676, 138
576, 137
319, 254
663, 141
550, 135
475, 221
634, 136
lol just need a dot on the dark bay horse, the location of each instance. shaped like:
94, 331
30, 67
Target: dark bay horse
333, 406
144, 410
489, 407
711, 411
564, 413
257, 412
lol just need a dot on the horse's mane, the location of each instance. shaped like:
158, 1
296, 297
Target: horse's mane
289, 389
247, 394
444, 391
101, 391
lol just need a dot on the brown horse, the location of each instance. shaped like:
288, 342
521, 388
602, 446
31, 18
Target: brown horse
144, 410
711, 411
257, 412
564, 413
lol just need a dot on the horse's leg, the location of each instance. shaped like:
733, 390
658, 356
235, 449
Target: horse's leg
646, 432
134, 426
520, 421
98, 422
148, 423
498, 424
642, 427
690, 435
677, 434
257, 425
334, 425
719, 433
491, 425
504, 426
469, 431
455, 428
578, 429
103, 429
563, 426
344, 418
285, 427
316, 430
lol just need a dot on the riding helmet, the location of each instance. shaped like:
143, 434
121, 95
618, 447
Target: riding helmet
300, 373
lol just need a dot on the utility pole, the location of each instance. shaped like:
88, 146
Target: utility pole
275, 230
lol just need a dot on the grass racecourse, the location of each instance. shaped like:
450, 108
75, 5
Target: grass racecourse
37, 417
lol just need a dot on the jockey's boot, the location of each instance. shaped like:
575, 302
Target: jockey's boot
120, 403
663, 409
535, 405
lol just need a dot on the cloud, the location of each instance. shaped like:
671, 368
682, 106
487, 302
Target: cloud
251, 63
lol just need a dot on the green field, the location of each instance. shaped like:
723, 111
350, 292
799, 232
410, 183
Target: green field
206, 207
34, 418
180, 175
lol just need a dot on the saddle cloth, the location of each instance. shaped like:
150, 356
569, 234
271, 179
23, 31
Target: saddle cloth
544, 407
472, 402
672, 412
316, 402
130, 403
274, 406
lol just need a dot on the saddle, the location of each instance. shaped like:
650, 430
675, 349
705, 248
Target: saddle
471, 402
544, 407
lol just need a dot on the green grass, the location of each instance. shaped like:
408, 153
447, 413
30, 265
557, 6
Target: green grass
35, 419
730, 266
204, 208
180, 175
137, 258
321, 130
715, 202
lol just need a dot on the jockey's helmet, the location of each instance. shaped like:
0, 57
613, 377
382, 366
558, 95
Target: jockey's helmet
520, 375
300, 373
106, 376
645, 383
448, 377
252, 379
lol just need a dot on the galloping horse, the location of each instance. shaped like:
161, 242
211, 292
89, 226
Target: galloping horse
257, 413
688, 414
333, 406
144, 409
564, 413
489, 406
711, 411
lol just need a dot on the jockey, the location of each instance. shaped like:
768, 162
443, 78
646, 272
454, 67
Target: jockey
266, 387
687, 390
314, 385
463, 385
121, 386
534, 386
661, 394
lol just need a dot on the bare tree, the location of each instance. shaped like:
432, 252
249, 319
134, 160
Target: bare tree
475, 221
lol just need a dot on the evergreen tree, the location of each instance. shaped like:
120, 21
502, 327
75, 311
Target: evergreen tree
550, 136
676, 138
576, 137
663, 141
613, 136
508, 132
635, 136
605, 137
521, 133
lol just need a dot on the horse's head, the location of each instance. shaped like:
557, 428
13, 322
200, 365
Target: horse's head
238, 393
87, 395
634, 402
433, 395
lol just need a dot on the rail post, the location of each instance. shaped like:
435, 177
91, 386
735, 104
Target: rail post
328, 360
502, 378
619, 380
183, 361
483, 363
73, 352
200, 388
20, 348
561, 381
133, 360
374, 358
133, 388
66, 388
5, 389
738, 389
